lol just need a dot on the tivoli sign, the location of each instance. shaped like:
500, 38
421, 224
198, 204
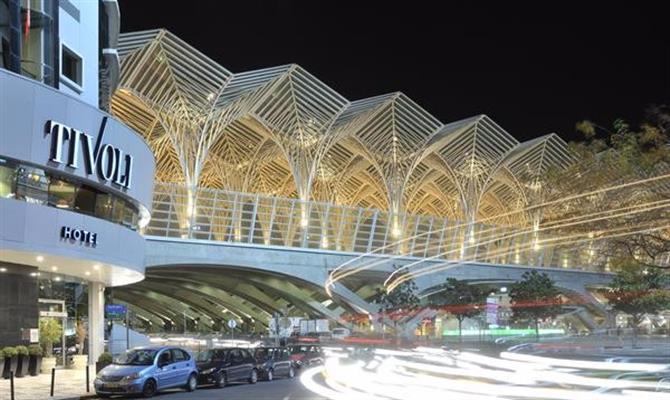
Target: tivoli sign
109, 163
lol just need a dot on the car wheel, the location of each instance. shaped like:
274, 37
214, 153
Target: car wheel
254, 376
270, 375
149, 388
192, 383
220, 380
291, 372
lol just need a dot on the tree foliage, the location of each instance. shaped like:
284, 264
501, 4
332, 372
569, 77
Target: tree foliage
50, 332
459, 299
402, 297
638, 291
535, 298
620, 168
398, 302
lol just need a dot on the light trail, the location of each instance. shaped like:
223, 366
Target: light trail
420, 375
559, 241
562, 241
621, 212
597, 365
333, 276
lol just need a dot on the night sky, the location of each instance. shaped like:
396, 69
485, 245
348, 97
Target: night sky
534, 68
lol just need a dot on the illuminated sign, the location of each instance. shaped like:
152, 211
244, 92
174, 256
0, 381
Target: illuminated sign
115, 311
79, 235
109, 163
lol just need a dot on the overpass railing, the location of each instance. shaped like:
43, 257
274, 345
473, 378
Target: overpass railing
226, 216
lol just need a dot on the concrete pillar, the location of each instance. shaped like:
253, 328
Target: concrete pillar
96, 321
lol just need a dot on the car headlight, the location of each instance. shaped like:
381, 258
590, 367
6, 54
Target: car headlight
132, 377
207, 371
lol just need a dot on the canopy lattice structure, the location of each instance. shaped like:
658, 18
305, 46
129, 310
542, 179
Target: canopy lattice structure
282, 132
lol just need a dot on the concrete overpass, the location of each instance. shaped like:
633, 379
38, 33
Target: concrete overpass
212, 281
248, 257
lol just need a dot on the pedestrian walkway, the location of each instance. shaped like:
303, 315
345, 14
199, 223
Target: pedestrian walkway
69, 384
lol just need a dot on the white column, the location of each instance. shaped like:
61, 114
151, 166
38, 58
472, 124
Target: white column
96, 321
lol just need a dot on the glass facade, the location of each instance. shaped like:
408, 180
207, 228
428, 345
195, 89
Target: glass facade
54, 288
28, 39
35, 185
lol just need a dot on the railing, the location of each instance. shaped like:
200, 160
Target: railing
235, 217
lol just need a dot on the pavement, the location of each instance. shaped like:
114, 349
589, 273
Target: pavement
69, 384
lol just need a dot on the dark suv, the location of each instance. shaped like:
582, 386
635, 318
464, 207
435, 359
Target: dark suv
223, 366
306, 355
273, 362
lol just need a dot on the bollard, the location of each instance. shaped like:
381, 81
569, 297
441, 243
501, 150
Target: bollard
11, 384
88, 390
53, 378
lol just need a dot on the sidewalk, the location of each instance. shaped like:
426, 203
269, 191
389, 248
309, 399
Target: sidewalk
69, 384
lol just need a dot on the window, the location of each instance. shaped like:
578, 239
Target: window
32, 185
166, 357
71, 68
61, 194
178, 355
129, 215
119, 210
6, 180
224, 355
104, 205
85, 199
137, 357
237, 356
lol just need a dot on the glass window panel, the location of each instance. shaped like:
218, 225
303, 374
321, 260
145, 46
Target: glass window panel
71, 66
32, 185
85, 199
117, 213
61, 193
7, 179
104, 205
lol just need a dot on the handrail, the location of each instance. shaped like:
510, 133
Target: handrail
237, 217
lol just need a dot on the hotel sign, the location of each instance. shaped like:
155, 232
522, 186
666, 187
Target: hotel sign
79, 235
106, 161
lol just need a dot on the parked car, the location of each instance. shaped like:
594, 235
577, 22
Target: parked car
223, 366
147, 370
273, 362
306, 355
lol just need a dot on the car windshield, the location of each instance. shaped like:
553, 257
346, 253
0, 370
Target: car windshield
136, 357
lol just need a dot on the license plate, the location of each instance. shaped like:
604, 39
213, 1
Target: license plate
110, 386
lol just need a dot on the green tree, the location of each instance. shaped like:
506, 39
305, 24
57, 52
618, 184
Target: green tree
535, 298
397, 302
638, 291
631, 162
459, 299
50, 332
